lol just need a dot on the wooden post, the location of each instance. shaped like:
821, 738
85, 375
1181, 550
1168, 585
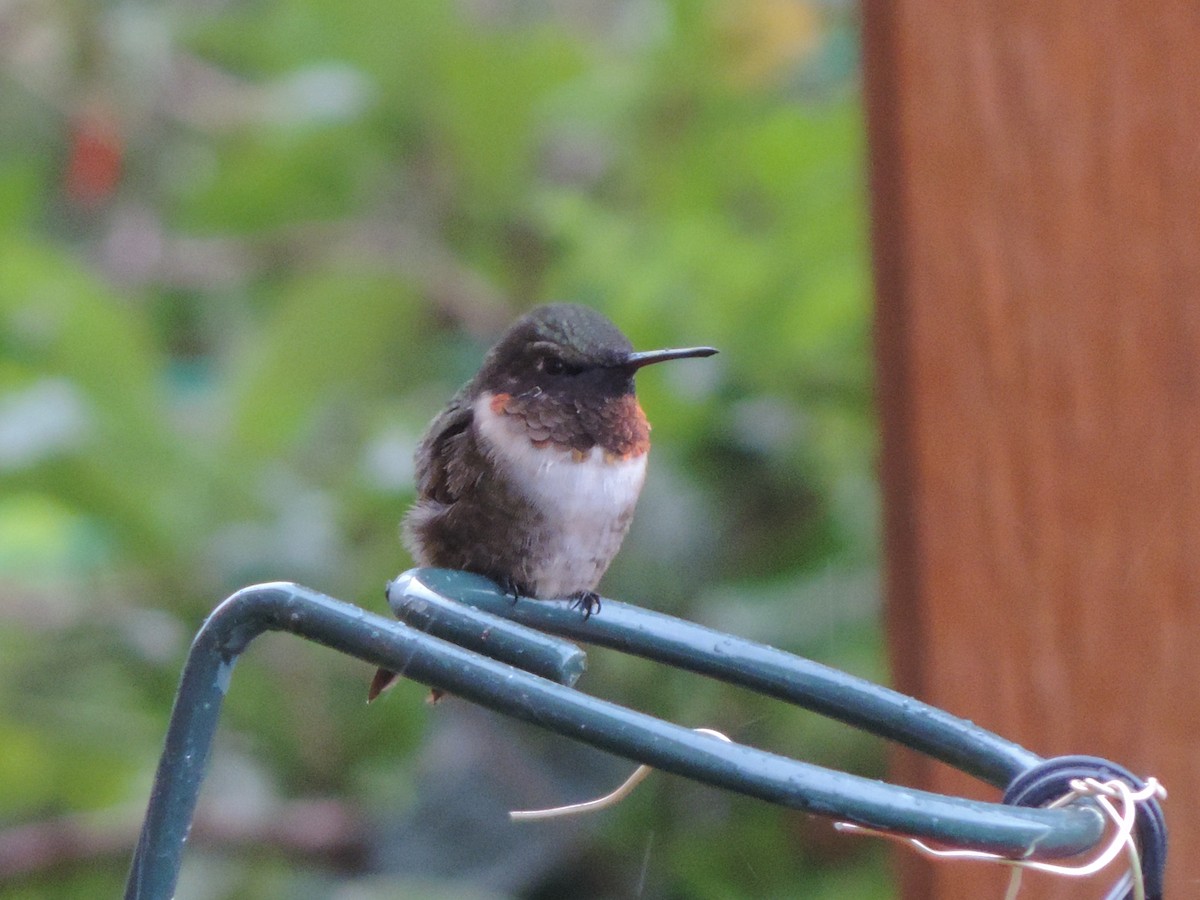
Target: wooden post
1035, 175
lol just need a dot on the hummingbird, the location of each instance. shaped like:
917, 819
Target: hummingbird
531, 473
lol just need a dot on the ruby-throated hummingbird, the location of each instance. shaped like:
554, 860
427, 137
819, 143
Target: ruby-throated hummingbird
530, 475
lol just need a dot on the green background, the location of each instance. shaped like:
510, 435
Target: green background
247, 249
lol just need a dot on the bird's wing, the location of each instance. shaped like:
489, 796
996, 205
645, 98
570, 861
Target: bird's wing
442, 464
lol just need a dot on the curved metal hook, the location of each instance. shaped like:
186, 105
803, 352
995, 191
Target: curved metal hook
499, 686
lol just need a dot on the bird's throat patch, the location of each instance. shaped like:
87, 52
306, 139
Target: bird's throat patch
617, 425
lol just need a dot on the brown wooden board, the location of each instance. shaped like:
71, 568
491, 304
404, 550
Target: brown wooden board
1035, 174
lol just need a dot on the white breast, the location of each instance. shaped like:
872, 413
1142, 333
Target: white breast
592, 499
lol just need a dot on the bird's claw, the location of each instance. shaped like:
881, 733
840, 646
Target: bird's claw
510, 588
586, 601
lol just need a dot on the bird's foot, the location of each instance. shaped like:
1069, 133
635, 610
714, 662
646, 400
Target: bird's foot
510, 588
587, 602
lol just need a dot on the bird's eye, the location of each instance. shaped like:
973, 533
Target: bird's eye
552, 365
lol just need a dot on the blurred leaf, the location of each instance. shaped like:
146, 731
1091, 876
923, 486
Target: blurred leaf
329, 334
278, 176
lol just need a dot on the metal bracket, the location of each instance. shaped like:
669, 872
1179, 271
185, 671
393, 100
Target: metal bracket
493, 659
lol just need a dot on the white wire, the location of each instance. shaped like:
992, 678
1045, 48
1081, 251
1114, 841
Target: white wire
1101, 792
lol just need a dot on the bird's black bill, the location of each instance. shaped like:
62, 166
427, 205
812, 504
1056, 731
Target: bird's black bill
648, 357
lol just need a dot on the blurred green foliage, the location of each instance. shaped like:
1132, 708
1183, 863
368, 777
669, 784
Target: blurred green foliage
246, 251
